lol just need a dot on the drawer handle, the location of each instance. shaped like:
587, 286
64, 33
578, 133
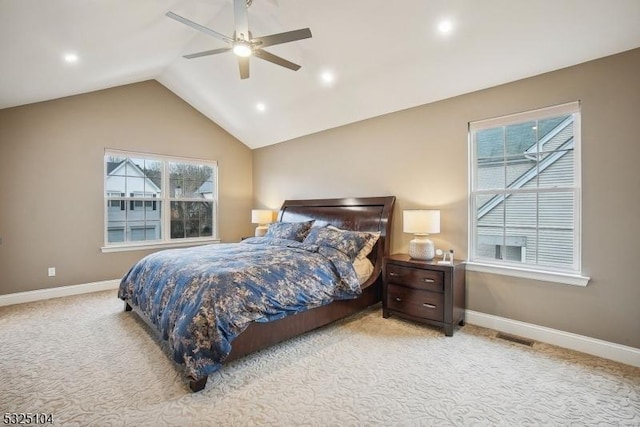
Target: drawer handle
394, 274
428, 280
427, 305
398, 299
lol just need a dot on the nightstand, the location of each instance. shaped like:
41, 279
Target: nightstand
424, 291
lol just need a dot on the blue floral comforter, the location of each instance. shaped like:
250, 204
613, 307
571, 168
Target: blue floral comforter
201, 298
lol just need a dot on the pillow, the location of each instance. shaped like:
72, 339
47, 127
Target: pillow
348, 242
363, 268
320, 223
289, 230
371, 239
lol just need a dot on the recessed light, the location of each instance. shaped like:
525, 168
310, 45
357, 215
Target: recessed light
261, 107
327, 77
445, 26
71, 58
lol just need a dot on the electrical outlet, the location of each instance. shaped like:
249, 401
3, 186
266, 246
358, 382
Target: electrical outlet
52, 271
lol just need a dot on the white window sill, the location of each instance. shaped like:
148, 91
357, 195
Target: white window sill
546, 276
163, 245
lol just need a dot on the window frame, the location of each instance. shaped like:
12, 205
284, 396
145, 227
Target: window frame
162, 203
572, 275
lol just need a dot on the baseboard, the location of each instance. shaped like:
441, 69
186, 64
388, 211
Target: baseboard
62, 291
608, 350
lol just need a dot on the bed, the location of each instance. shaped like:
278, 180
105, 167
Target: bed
216, 303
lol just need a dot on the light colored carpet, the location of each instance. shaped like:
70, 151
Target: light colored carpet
87, 362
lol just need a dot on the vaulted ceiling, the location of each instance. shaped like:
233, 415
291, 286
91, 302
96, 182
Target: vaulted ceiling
366, 57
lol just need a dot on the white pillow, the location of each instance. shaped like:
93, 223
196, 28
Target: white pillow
363, 268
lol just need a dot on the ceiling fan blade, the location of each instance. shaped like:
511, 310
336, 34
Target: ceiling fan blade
241, 20
243, 64
280, 38
267, 56
207, 53
199, 27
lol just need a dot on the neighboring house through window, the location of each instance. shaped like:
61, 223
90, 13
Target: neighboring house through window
525, 190
151, 199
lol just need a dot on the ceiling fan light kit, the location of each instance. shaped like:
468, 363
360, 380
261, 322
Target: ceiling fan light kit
242, 49
242, 44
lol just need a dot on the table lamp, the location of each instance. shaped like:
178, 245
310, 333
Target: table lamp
262, 217
421, 223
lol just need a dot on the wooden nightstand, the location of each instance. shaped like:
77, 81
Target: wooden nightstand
424, 291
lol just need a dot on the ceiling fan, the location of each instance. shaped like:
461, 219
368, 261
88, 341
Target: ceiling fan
243, 44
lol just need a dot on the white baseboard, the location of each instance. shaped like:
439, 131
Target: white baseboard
62, 291
608, 350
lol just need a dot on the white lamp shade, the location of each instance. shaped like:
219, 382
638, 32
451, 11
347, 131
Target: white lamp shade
421, 221
261, 216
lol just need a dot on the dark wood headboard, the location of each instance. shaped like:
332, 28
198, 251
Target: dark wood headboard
358, 214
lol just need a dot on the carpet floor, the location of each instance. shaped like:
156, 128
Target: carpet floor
86, 362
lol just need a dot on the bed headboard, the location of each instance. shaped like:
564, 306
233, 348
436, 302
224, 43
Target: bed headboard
358, 214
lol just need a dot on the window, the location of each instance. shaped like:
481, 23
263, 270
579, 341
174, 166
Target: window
525, 190
113, 202
151, 199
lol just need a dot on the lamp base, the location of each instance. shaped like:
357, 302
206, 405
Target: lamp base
420, 247
261, 230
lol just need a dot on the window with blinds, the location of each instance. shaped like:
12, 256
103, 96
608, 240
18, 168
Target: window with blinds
525, 190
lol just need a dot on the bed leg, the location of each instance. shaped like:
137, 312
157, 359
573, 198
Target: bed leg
198, 384
127, 307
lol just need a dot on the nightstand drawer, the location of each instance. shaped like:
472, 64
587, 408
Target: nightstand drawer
428, 305
428, 280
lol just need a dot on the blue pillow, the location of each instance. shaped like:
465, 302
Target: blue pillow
289, 230
348, 242
371, 237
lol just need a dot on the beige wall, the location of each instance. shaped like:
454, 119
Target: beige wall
420, 156
51, 178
